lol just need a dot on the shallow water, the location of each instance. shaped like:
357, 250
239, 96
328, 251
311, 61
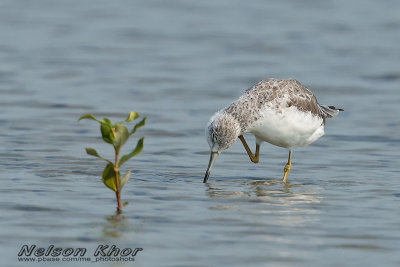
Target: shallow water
178, 63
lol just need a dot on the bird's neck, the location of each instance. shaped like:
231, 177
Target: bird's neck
229, 123
235, 120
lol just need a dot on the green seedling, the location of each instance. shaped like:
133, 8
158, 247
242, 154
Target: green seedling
116, 135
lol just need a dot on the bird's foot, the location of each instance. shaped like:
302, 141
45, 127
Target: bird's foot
286, 172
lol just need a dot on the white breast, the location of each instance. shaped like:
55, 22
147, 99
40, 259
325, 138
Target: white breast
288, 127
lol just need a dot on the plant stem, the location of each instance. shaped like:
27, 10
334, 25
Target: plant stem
116, 170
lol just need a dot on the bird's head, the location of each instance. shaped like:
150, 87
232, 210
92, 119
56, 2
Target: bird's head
222, 131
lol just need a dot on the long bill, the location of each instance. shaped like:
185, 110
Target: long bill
213, 157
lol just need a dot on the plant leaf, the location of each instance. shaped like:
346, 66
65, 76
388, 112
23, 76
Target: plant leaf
121, 135
125, 203
124, 180
88, 116
106, 130
92, 152
109, 177
104, 121
138, 125
137, 150
132, 116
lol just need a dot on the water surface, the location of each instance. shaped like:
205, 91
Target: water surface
179, 62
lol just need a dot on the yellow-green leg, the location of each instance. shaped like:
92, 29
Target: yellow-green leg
254, 158
288, 166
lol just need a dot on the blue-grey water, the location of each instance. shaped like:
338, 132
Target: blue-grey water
177, 62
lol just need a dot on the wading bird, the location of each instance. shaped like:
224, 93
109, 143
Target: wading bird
281, 112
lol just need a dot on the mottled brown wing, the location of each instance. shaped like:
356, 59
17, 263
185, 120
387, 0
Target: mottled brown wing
305, 104
303, 99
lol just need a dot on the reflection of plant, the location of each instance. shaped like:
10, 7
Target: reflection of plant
116, 135
116, 225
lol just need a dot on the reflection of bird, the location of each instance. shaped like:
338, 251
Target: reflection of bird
281, 112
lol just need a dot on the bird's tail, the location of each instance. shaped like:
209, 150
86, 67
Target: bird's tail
330, 111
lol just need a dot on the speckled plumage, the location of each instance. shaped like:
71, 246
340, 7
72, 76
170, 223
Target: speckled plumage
274, 94
269, 99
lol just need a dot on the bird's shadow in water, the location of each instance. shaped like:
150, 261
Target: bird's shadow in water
248, 187
270, 192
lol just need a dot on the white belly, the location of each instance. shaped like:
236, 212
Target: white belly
290, 128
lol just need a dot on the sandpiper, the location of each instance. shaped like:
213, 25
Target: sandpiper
281, 112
